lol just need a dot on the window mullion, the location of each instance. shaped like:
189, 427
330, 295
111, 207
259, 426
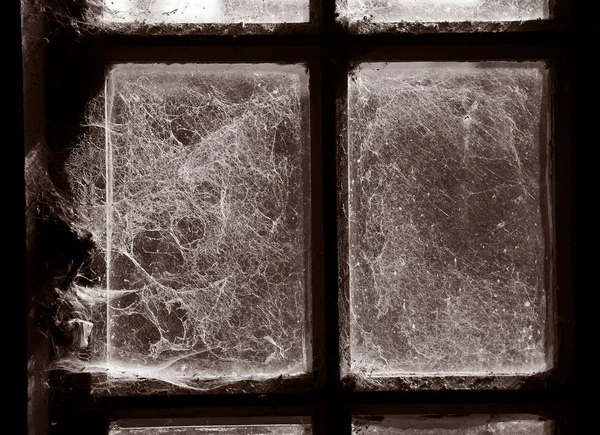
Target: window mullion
333, 73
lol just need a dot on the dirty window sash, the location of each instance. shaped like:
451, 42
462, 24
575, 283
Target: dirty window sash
296, 425
449, 16
212, 17
335, 414
163, 277
559, 359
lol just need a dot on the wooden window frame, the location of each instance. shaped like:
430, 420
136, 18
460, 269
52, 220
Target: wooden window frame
76, 65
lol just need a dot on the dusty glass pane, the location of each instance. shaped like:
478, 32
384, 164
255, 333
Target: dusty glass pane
449, 426
386, 11
207, 246
207, 11
279, 429
447, 218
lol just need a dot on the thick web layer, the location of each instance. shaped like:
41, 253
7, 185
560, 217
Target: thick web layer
400, 427
207, 11
208, 242
387, 11
446, 225
205, 172
279, 429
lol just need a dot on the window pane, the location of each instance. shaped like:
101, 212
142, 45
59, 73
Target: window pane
386, 11
208, 181
207, 11
472, 425
279, 429
449, 253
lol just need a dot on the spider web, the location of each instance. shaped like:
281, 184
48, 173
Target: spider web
196, 199
447, 236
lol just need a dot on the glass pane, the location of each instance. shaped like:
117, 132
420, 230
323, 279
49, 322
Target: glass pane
448, 218
208, 245
386, 11
279, 429
475, 425
207, 11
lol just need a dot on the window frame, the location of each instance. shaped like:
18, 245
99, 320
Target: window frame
556, 297
330, 49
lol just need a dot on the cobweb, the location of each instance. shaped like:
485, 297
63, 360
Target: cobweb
196, 199
279, 429
514, 427
206, 11
386, 11
448, 258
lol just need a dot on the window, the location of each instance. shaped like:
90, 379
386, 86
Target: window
212, 263
226, 426
299, 217
210, 11
446, 203
443, 10
476, 424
